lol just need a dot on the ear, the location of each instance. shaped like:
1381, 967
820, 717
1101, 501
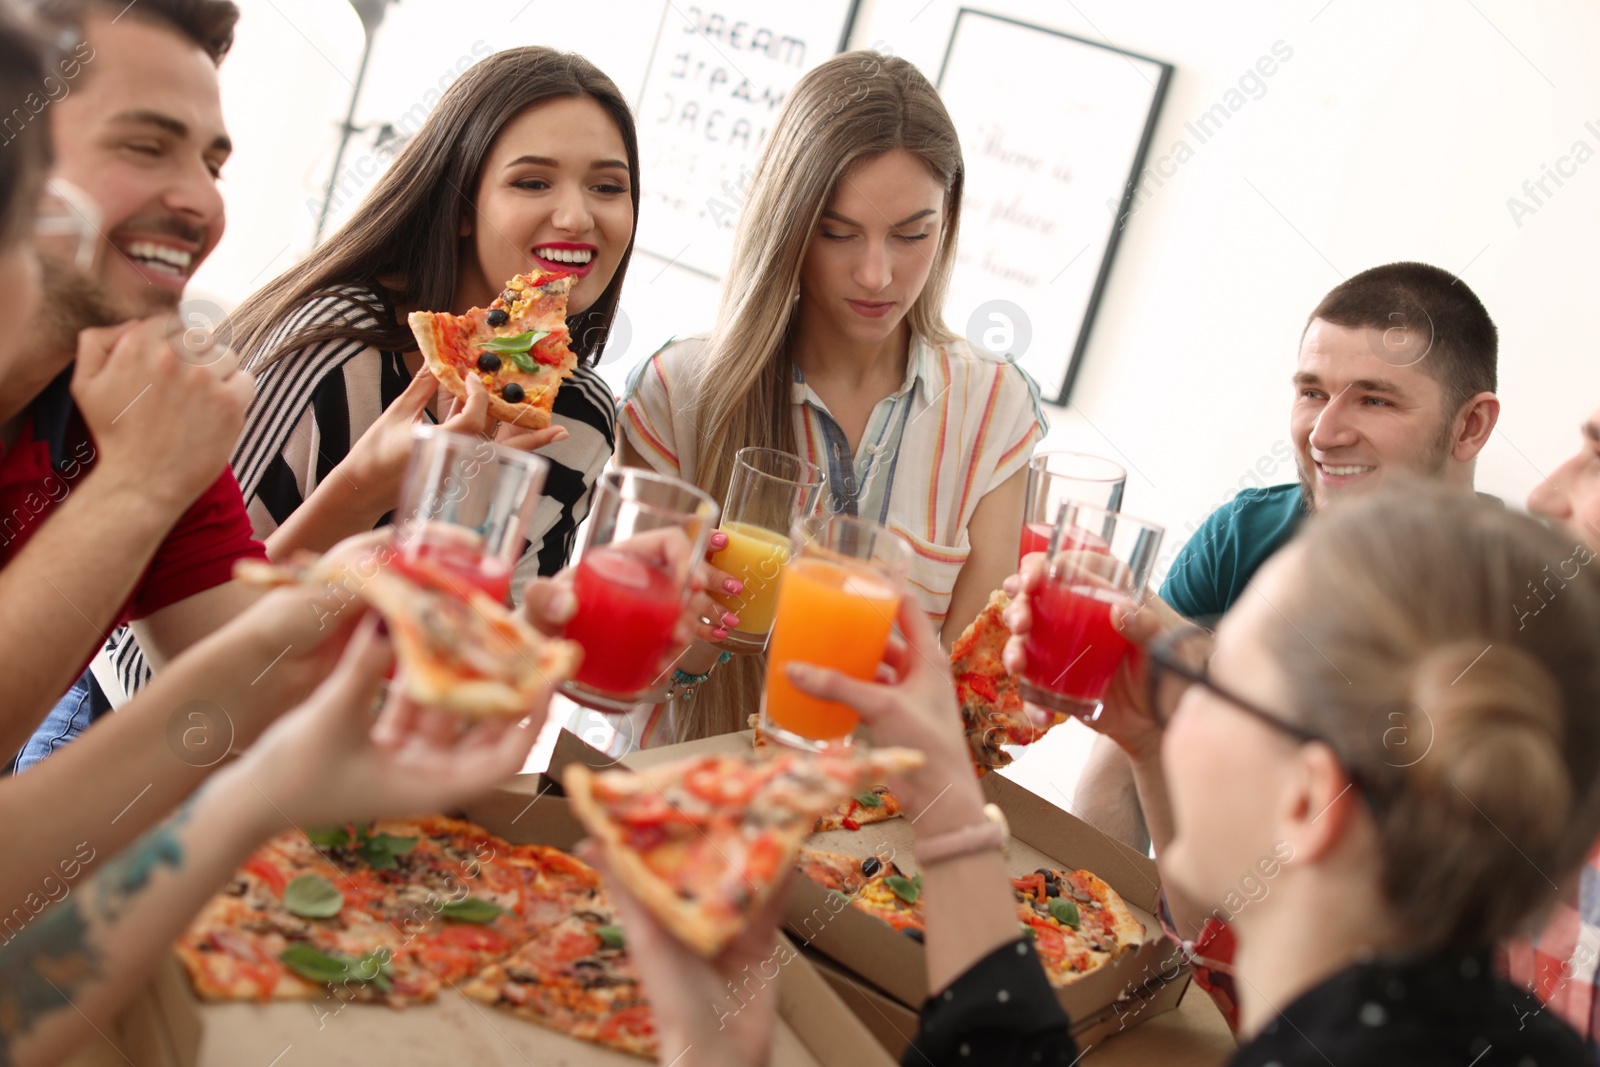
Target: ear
1473, 425
1319, 802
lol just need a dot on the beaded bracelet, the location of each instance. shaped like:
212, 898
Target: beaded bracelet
686, 683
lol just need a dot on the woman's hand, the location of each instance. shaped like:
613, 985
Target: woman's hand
1126, 716
916, 707
328, 761
700, 1023
709, 620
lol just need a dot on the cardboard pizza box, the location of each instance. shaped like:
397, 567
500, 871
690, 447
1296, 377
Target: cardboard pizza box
1042, 835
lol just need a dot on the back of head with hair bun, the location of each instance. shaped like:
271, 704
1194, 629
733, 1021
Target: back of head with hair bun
1494, 794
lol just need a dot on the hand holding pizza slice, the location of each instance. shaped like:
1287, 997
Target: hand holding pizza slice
517, 347
460, 650
704, 843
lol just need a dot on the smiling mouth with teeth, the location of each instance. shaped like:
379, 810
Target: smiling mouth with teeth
152, 256
1342, 472
576, 256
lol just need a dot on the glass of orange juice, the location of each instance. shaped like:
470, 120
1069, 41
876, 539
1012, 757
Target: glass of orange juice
768, 491
836, 606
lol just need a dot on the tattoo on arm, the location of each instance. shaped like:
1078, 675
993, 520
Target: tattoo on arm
44, 965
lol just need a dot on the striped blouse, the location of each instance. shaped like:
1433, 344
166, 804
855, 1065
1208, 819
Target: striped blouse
958, 427
311, 405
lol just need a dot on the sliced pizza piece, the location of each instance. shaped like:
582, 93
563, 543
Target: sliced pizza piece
992, 710
876, 887
459, 649
869, 806
517, 346
575, 977
704, 842
1079, 922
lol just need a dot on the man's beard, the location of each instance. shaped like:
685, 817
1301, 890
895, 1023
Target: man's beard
73, 301
1432, 465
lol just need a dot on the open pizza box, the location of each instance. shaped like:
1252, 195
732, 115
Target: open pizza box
872, 956
171, 1027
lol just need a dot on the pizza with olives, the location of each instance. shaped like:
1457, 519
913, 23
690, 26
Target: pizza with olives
397, 911
704, 842
517, 347
1076, 921
864, 808
992, 711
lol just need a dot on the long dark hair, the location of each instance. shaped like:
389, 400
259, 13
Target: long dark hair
404, 240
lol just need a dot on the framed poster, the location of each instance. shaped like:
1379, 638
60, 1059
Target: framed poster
1054, 131
717, 75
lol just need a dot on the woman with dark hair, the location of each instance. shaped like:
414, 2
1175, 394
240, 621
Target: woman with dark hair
530, 160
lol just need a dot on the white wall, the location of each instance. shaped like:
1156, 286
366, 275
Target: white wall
1398, 129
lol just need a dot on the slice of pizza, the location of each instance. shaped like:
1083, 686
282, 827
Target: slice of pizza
869, 806
992, 710
575, 977
705, 842
459, 648
1079, 923
876, 887
517, 346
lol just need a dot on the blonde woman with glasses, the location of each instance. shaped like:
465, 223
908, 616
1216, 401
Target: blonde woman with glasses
830, 344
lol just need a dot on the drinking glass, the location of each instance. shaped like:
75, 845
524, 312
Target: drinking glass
465, 505
644, 536
769, 490
836, 606
1056, 477
1098, 558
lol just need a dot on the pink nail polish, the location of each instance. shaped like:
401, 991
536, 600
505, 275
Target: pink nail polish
719, 540
733, 586
729, 619
719, 634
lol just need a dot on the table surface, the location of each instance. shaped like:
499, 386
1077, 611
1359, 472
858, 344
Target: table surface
1193, 1034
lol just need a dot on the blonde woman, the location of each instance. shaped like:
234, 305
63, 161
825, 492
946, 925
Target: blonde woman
829, 343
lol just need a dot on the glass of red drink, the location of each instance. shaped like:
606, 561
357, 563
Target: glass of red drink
464, 507
645, 534
1098, 559
1057, 477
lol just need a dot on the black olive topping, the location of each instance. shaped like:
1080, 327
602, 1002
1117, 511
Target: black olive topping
1052, 889
512, 393
1049, 875
913, 933
488, 362
870, 865
498, 317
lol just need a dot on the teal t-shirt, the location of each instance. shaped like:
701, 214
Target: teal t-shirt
1217, 563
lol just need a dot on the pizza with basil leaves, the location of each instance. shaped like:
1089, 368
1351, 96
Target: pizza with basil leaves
517, 346
394, 911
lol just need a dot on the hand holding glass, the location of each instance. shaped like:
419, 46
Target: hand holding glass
836, 607
769, 490
1098, 559
644, 536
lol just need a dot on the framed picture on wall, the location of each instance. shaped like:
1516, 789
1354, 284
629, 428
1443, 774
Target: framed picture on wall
1054, 130
716, 78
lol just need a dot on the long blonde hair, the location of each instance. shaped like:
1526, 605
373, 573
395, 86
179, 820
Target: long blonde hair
845, 112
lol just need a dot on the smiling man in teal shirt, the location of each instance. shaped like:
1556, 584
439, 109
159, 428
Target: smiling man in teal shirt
1396, 377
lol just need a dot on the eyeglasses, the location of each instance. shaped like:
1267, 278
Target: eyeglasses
1182, 657
69, 216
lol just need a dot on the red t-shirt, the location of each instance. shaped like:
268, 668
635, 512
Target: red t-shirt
53, 452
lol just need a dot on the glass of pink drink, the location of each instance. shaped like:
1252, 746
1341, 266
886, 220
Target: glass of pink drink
643, 538
465, 505
1056, 477
1098, 559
